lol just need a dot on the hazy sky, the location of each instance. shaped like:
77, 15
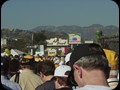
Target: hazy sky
28, 14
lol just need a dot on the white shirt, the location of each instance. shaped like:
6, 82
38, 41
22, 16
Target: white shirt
113, 82
94, 87
112, 79
61, 62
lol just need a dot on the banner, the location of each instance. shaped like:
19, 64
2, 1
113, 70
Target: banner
40, 50
52, 52
57, 42
75, 38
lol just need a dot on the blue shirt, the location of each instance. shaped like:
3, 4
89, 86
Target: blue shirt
10, 84
5, 87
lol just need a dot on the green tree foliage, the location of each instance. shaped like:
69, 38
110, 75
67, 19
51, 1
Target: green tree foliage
19, 44
39, 38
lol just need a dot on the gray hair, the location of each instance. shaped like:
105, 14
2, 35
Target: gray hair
94, 62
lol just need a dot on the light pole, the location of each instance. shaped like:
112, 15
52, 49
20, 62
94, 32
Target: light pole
32, 44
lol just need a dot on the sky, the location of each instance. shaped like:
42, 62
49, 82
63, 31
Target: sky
28, 14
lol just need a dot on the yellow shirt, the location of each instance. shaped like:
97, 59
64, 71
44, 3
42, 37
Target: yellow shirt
112, 58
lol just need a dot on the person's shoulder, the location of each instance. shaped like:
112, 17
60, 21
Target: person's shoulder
6, 87
48, 85
65, 89
13, 85
94, 87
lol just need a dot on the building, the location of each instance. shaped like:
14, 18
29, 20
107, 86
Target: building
3, 42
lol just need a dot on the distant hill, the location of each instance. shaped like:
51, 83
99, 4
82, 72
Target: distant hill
86, 32
24, 37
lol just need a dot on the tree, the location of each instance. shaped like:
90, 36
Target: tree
39, 38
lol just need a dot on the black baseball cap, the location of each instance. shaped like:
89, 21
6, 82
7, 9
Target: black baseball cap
85, 50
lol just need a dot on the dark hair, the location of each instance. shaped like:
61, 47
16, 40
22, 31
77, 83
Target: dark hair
62, 81
17, 57
4, 64
14, 66
47, 67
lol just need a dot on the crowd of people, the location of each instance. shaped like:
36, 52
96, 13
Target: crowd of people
85, 68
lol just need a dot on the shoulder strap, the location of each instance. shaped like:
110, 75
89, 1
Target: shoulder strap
17, 77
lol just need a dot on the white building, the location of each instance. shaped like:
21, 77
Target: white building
89, 41
3, 42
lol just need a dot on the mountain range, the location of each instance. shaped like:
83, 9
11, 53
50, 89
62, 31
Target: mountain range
88, 32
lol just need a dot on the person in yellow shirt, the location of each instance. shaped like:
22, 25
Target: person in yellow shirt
114, 65
112, 58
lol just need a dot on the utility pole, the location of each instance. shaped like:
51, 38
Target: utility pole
32, 44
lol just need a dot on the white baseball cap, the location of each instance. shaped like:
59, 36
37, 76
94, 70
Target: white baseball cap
61, 70
67, 57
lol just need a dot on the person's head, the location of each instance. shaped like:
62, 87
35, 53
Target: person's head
88, 60
14, 66
88, 64
17, 57
61, 74
46, 69
27, 62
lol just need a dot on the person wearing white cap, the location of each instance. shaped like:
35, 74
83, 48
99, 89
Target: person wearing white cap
61, 74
